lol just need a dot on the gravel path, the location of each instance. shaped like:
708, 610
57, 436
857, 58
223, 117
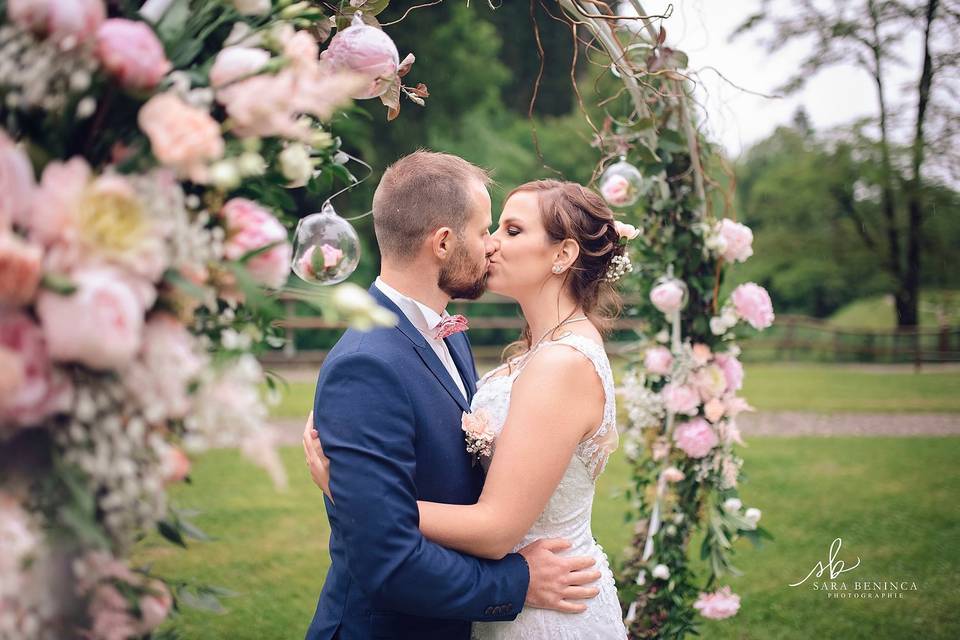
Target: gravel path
793, 423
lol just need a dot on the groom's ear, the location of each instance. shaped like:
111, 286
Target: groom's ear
442, 242
568, 253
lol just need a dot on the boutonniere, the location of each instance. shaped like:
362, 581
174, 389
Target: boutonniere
478, 434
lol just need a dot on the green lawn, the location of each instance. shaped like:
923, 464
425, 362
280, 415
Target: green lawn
879, 313
893, 502
790, 387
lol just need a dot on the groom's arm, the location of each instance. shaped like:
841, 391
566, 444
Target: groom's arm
366, 424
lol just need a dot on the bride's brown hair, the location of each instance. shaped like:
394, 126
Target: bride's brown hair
569, 210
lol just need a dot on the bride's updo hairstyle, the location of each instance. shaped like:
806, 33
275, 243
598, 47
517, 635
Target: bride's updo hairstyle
569, 210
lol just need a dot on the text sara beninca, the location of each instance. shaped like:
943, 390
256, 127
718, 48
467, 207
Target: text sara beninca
884, 585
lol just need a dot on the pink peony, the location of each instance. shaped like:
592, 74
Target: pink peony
16, 183
709, 382
732, 371
737, 240
251, 227
131, 51
701, 354
300, 47
100, 324
168, 362
681, 398
696, 437
56, 203
38, 389
658, 360
235, 63
667, 297
64, 21
735, 405
183, 137
718, 605
154, 606
752, 303
19, 270
367, 51
616, 190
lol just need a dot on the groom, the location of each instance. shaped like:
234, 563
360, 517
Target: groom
388, 407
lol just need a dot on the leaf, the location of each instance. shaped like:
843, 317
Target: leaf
171, 533
368, 10
662, 36
672, 141
421, 90
57, 283
392, 99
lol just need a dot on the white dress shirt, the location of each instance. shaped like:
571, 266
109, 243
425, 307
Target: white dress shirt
425, 320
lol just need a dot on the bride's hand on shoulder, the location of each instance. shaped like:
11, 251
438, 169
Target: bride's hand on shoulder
317, 462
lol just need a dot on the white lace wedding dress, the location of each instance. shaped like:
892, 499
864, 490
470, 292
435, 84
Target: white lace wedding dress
567, 514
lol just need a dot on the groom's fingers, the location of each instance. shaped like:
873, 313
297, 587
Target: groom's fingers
579, 563
580, 593
554, 544
569, 607
577, 578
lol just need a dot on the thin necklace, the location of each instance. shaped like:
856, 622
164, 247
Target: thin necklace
544, 336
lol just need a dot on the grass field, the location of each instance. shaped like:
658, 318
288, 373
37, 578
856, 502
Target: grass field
790, 387
892, 500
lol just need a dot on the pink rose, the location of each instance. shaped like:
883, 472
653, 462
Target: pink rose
181, 136
732, 371
737, 240
16, 183
681, 398
695, 438
616, 190
235, 63
176, 465
251, 227
658, 360
63, 21
368, 51
301, 48
735, 405
714, 409
154, 606
100, 324
672, 474
718, 605
331, 256
627, 231
709, 382
701, 354
752, 303
39, 389
19, 270
131, 51
667, 297
476, 423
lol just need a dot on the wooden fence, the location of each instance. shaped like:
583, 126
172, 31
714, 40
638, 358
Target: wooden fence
495, 320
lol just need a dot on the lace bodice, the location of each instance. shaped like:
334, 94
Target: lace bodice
568, 512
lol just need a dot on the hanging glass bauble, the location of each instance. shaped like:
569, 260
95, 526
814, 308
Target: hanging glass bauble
367, 51
622, 184
326, 249
669, 294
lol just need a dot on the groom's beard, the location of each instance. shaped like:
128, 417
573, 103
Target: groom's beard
462, 279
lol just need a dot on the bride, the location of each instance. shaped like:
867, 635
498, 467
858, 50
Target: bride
548, 411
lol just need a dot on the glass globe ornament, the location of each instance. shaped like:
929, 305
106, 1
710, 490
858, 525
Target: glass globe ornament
622, 184
326, 249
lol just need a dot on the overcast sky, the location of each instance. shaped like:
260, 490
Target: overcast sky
834, 96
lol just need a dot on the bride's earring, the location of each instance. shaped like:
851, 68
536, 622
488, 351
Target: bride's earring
557, 269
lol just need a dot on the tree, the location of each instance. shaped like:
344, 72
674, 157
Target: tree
871, 34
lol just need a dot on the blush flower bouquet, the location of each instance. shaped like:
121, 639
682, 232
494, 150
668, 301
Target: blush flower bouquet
146, 149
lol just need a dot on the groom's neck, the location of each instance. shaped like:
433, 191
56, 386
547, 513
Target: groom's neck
417, 283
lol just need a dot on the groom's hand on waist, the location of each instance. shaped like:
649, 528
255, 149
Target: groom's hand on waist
558, 582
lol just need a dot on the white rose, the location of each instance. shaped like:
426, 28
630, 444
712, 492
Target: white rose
641, 578
717, 326
752, 515
661, 572
350, 299
296, 165
732, 504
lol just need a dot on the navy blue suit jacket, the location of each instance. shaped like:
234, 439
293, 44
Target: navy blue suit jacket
388, 414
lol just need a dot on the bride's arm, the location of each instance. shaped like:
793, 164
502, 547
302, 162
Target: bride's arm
553, 404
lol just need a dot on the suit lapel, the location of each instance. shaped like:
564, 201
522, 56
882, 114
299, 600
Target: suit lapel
424, 350
461, 357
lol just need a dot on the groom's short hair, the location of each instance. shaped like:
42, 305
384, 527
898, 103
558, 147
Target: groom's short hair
418, 194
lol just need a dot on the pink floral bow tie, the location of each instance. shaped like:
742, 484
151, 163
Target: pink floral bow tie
449, 326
